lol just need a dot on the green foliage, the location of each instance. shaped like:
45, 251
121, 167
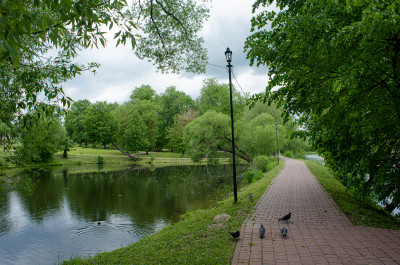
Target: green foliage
164, 32
215, 96
209, 134
131, 135
172, 102
40, 140
252, 175
74, 121
263, 162
337, 65
144, 92
100, 160
99, 124
176, 131
288, 153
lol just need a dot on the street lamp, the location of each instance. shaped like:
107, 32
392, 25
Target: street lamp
228, 55
277, 148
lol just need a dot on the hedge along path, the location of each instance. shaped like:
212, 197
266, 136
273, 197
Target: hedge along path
318, 232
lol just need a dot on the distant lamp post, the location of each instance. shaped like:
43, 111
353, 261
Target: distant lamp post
228, 55
277, 148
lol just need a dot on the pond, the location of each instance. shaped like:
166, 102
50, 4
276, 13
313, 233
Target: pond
81, 214
316, 158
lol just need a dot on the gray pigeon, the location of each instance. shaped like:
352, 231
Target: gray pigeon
283, 231
262, 231
235, 234
251, 197
286, 217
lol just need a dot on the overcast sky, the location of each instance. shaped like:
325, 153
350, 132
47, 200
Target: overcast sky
121, 71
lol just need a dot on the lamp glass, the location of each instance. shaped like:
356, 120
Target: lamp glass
228, 55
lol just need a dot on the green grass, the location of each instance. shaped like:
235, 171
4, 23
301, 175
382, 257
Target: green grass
195, 239
359, 211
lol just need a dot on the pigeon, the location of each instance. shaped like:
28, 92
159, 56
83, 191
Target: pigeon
262, 231
286, 217
235, 234
251, 197
283, 231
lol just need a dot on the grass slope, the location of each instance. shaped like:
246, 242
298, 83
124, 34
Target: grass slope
195, 239
360, 212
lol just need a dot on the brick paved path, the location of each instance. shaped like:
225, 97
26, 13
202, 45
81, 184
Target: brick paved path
318, 233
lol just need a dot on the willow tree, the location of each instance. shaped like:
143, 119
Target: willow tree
336, 66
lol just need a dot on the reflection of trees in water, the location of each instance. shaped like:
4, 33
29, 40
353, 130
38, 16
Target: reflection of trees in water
144, 194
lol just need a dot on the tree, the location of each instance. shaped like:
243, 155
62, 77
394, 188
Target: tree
209, 134
176, 131
144, 92
171, 102
74, 121
99, 124
132, 130
44, 137
215, 96
164, 32
337, 67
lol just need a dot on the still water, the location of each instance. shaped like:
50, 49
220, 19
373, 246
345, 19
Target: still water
70, 214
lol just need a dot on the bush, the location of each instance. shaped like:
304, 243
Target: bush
288, 153
251, 175
100, 160
263, 163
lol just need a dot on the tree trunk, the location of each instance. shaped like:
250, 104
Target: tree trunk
125, 153
390, 207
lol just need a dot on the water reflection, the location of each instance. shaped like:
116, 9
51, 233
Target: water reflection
61, 218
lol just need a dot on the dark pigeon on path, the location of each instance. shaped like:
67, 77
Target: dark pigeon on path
283, 231
262, 231
235, 234
286, 217
251, 197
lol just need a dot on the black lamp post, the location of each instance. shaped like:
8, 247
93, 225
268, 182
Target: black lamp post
277, 148
228, 55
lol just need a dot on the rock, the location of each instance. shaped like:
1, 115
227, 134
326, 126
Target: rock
221, 218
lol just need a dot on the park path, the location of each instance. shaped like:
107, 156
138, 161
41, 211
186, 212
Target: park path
318, 232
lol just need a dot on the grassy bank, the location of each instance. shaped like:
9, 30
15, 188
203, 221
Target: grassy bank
195, 239
88, 156
359, 211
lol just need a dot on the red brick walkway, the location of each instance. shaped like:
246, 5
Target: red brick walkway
318, 233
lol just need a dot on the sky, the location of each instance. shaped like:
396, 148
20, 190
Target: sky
121, 71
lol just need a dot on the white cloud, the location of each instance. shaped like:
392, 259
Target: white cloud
121, 71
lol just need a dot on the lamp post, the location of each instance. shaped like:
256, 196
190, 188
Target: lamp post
228, 55
277, 148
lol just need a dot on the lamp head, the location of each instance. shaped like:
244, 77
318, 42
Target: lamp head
228, 55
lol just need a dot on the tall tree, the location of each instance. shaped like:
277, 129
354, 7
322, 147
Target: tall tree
165, 32
172, 102
132, 130
100, 125
74, 121
144, 92
336, 65
216, 96
209, 134
176, 131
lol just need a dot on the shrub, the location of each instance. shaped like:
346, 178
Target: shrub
100, 160
251, 175
262, 163
288, 153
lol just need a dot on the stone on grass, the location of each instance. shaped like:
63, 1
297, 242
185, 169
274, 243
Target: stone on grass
221, 218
